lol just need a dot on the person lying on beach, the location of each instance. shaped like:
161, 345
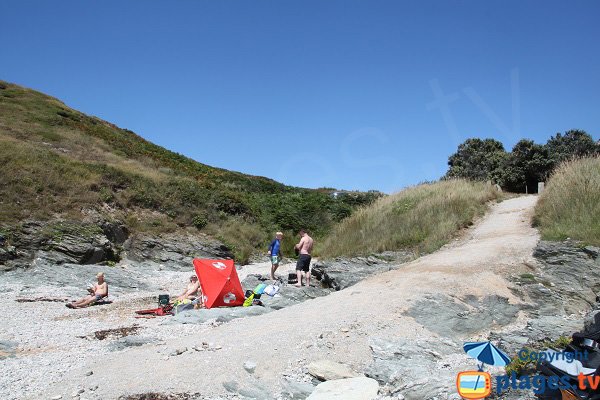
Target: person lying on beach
97, 292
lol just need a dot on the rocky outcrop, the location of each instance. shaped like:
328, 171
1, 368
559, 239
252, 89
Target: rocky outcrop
564, 287
341, 273
461, 317
406, 366
62, 242
174, 250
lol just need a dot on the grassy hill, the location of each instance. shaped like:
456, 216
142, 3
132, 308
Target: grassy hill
420, 218
569, 207
59, 163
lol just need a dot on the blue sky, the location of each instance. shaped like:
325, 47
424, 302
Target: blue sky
347, 94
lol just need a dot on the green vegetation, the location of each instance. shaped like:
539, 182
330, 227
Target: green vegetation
519, 366
60, 163
527, 164
569, 205
421, 218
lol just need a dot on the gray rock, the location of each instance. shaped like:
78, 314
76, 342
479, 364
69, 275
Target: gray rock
128, 341
405, 366
219, 315
74, 242
250, 366
8, 349
176, 251
231, 386
457, 318
255, 393
297, 390
341, 273
115, 231
328, 370
360, 388
558, 292
178, 352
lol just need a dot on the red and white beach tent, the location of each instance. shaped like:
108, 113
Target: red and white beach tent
219, 282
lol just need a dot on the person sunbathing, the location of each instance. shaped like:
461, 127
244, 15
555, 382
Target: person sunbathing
192, 290
97, 292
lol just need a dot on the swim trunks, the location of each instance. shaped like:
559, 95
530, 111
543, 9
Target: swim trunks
303, 263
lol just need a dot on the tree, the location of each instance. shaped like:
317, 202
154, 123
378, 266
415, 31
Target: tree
525, 166
574, 143
477, 159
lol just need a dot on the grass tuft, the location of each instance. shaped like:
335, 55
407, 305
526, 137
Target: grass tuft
569, 207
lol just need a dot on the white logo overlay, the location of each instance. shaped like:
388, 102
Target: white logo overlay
229, 298
219, 265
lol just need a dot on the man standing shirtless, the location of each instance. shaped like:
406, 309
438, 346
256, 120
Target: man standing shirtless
97, 293
304, 247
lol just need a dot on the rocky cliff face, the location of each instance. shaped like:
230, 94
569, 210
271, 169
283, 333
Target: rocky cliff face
100, 243
559, 293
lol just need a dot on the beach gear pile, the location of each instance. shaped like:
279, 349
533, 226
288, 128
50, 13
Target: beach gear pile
220, 287
581, 370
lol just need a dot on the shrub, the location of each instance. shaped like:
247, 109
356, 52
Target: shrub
199, 221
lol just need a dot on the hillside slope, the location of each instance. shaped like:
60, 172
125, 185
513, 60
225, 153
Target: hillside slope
420, 218
62, 164
569, 206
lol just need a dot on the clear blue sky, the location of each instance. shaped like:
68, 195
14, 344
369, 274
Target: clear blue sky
346, 94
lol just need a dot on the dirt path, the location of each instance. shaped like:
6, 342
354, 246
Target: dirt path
335, 327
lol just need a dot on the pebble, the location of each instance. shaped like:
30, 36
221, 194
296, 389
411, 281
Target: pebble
89, 373
250, 366
178, 351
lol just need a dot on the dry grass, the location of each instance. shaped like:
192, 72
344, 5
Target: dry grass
570, 205
421, 218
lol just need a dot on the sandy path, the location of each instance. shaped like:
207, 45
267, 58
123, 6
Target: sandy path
285, 341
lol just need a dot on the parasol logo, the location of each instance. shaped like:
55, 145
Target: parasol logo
229, 298
478, 384
219, 265
474, 384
